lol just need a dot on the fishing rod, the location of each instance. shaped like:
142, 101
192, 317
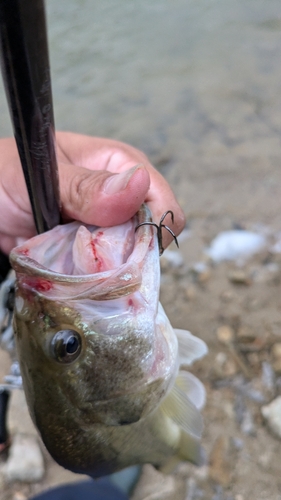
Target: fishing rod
26, 74
25, 69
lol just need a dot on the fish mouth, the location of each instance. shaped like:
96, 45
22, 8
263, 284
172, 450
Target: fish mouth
41, 268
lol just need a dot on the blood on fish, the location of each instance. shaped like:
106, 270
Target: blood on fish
97, 259
130, 303
24, 251
40, 284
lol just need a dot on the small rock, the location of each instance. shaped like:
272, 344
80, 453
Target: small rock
265, 460
201, 272
276, 350
276, 354
239, 277
253, 359
245, 334
224, 366
272, 415
201, 474
235, 245
190, 292
237, 443
25, 460
268, 376
225, 334
154, 485
247, 424
191, 488
18, 495
220, 469
276, 365
239, 408
218, 493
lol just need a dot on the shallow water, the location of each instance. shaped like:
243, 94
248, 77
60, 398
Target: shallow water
179, 79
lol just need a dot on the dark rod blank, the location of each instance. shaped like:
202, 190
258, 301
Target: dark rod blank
4, 400
26, 74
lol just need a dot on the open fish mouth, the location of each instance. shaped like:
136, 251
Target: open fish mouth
103, 264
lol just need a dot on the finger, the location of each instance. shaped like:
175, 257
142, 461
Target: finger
99, 153
100, 197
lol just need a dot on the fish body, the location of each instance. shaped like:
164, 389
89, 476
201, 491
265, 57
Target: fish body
99, 359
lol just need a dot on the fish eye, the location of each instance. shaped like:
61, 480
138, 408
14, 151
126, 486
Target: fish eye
66, 346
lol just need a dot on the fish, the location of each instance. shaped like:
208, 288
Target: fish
104, 373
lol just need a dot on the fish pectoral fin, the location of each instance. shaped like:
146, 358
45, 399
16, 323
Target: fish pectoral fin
190, 347
192, 387
179, 408
190, 449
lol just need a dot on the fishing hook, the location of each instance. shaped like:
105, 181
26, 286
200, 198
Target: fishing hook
160, 228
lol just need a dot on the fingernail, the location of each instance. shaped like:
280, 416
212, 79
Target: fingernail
118, 182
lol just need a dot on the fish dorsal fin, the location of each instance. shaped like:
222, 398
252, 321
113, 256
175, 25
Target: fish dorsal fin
192, 387
190, 347
182, 411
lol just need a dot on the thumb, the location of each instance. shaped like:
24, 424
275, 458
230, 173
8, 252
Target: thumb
100, 197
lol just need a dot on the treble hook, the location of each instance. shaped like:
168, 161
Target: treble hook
160, 228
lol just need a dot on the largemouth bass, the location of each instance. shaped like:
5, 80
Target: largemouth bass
99, 359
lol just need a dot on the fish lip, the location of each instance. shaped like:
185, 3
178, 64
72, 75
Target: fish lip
23, 264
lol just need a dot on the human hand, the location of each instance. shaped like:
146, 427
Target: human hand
102, 182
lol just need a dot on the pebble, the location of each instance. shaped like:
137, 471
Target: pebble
224, 366
18, 495
237, 443
201, 474
245, 334
239, 277
272, 415
247, 424
268, 376
191, 488
276, 365
153, 485
225, 334
265, 460
220, 468
276, 350
276, 354
190, 292
201, 272
25, 460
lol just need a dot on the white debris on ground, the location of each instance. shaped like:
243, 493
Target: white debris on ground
173, 258
276, 247
272, 415
25, 461
235, 245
